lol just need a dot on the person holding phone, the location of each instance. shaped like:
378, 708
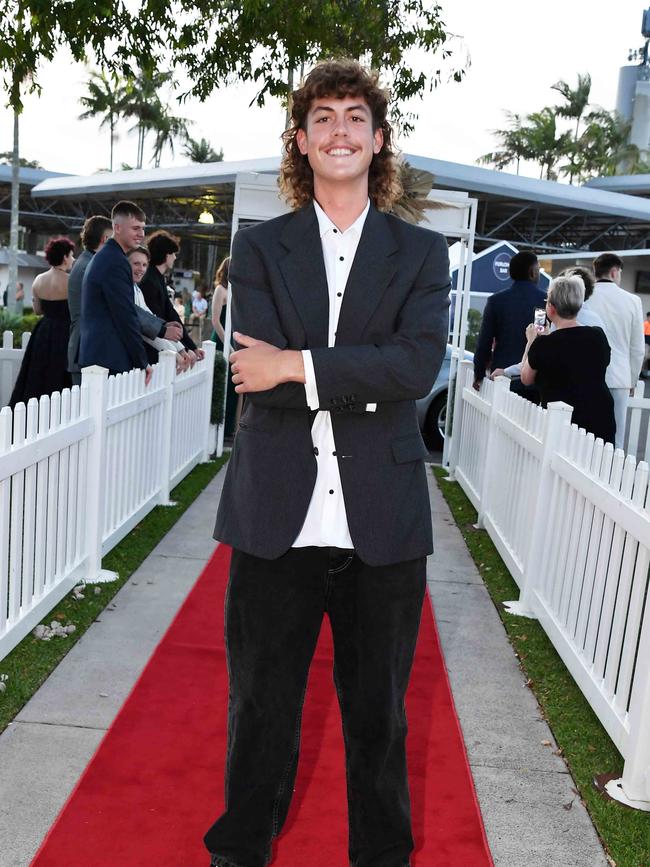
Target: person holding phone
569, 363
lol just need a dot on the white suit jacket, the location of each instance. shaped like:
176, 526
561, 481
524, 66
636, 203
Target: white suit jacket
622, 316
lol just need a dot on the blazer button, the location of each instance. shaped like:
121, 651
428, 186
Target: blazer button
315, 450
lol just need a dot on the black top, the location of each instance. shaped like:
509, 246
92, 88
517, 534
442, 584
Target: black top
155, 294
571, 365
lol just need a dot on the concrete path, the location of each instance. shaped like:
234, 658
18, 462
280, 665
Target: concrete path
522, 786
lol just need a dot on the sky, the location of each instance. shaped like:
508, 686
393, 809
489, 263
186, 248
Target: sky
516, 52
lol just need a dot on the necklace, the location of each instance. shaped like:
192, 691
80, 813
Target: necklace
58, 268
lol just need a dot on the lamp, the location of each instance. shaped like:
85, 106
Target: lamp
206, 217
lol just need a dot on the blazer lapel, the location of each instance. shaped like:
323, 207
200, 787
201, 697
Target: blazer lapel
372, 270
303, 270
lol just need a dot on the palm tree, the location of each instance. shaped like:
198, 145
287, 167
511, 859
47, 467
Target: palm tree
105, 99
168, 128
513, 147
543, 143
142, 102
201, 151
576, 102
605, 149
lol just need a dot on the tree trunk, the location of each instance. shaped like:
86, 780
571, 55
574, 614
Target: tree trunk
112, 138
13, 230
287, 118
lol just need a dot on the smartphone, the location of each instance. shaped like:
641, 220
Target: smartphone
540, 318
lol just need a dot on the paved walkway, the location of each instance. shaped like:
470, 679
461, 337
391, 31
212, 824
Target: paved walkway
523, 788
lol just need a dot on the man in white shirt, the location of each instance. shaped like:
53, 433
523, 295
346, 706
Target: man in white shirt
340, 314
622, 316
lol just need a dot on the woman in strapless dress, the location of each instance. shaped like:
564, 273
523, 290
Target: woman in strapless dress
43, 369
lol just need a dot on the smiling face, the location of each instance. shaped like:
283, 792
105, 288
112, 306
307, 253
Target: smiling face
339, 140
128, 231
139, 264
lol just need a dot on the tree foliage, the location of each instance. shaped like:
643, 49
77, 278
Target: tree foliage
216, 42
201, 151
600, 147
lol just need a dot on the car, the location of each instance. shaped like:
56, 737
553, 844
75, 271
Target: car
432, 409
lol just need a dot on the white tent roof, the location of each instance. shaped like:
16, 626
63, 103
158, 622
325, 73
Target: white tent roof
139, 180
448, 175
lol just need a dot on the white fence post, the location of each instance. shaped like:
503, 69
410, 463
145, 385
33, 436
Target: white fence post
94, 386
633, 788
499, 395
558, 419
210, 350
464, 371
167, 365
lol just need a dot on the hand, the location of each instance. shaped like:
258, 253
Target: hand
532, 332
476, 385
148, 373
259, 366
498, 372
173, 331
200, 353
182, 362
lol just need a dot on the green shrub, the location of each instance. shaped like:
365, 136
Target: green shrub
17, 324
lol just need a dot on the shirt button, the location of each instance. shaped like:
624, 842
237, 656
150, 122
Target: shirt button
339, 294
331, 491
315, 450
335, 231
334, 453
341, 258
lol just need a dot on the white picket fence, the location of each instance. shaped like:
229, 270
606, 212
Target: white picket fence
79, 469
571, 519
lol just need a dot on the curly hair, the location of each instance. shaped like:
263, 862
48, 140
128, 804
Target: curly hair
57, 249
339, 79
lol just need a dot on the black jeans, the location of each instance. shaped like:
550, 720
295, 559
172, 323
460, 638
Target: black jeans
274, 610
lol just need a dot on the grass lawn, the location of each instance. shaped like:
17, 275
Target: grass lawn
581, 739
30, 662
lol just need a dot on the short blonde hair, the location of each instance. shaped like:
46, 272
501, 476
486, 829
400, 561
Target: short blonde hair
567, 295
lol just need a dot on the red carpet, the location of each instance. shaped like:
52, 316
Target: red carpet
156, 782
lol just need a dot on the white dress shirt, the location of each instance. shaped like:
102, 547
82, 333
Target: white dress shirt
326, 522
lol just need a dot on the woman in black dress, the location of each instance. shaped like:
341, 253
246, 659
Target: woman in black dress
44, 366
219, 304
569, 363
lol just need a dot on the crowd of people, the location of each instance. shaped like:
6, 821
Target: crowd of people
110, 307
587, 348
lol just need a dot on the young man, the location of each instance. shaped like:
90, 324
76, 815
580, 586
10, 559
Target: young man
622, 316
110, 328
502, 338
341, 313
96, 231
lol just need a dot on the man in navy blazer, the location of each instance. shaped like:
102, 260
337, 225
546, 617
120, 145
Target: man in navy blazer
341, 317
111, 335
502, 338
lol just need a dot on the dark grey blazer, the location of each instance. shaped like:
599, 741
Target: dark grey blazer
390, 343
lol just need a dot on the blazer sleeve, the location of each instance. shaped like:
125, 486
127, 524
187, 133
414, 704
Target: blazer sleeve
405, 366
254, 312
151, 326
637, 341
117, 289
